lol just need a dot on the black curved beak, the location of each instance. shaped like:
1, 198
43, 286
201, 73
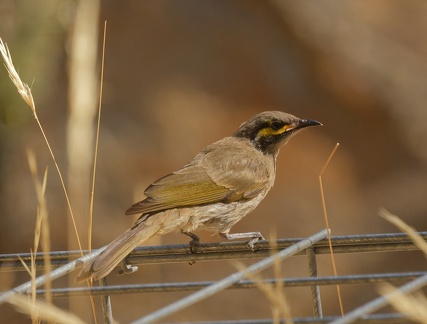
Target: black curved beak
302, 123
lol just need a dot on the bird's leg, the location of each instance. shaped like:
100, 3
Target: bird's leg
195, 241
254, 237
126, 268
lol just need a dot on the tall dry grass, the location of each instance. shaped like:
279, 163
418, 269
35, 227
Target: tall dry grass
42, 228
414, 306
25, 91
83, 105
37, 310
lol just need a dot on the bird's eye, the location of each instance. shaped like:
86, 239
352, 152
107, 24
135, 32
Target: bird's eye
276, 125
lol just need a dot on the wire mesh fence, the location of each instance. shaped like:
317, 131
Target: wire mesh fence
269, 252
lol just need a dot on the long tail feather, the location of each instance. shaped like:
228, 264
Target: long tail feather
116, 251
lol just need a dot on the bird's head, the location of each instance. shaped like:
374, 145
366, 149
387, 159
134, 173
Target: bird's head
269, 130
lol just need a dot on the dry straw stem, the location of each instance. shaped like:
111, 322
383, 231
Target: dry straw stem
43, 311
274, 293
414, 306
95, 158
32, 272
41, 218
42, 229
325, 216
412, 233
25, 91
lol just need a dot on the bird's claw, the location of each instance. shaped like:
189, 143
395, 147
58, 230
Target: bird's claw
194, 246
254, 240
254, 237
126, 268
194, 243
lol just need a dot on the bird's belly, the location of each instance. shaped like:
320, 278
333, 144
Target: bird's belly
219, 217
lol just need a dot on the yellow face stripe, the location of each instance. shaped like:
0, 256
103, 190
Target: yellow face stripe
267, 131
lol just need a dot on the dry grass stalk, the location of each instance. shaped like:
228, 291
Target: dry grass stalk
43, 311
325, 216
42, 225
412, 305
412, 233
25, 91
95, 160
98, 125
275, 293
42, 229
32, 272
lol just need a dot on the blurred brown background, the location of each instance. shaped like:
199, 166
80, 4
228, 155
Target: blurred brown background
182, 74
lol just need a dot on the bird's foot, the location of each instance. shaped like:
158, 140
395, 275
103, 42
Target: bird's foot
194, 243
254, 238
126, 268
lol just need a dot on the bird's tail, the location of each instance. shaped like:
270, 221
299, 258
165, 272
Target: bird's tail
117, 250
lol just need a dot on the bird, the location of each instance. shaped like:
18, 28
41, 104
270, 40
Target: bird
215, 190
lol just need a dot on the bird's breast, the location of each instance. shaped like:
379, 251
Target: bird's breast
220, 217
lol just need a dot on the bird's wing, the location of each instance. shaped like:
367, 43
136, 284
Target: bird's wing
216, 175
186, 187
244, 175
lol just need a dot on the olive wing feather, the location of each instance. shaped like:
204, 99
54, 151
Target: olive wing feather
215, 175
186, 187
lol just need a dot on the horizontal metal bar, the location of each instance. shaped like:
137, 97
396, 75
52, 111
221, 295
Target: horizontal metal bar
54, 274
232, 279
371, 319
225, 250
244, 284
232, 250
137, 259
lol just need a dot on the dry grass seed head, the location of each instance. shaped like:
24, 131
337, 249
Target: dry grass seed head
23, 89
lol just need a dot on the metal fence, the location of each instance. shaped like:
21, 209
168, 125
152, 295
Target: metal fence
67, 261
